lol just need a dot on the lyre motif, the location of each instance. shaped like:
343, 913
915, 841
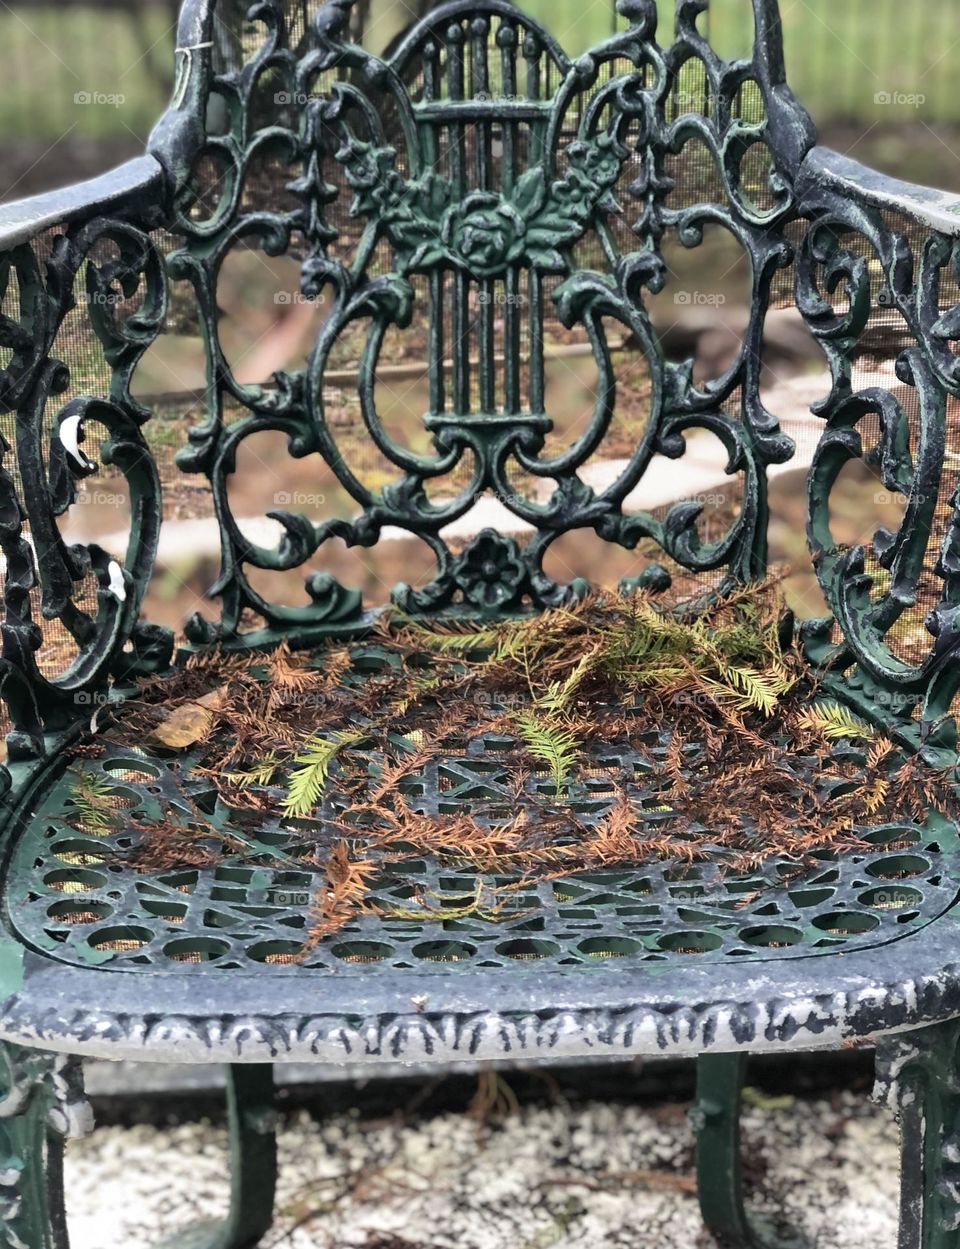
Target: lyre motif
479, 156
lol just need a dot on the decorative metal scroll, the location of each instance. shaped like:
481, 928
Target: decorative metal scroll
41, 1102
116, 259
458, 152
845, 242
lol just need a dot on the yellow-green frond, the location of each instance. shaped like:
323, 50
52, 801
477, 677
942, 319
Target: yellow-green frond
311, 767
835, 721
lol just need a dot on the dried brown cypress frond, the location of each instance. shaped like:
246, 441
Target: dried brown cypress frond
720, 704
342, 895
404, 766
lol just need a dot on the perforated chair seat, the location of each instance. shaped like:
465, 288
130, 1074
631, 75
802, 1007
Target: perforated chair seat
710, 942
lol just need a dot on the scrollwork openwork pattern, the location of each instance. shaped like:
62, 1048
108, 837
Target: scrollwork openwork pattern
479, 155
854, 258
473, 162
100, 261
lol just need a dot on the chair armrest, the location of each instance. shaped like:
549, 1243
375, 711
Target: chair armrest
875, 276
826, 170
137, 187
45, 438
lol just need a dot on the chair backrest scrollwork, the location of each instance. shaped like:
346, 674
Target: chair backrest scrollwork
479, 157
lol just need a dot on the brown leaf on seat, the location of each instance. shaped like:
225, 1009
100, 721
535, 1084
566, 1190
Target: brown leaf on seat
190, 722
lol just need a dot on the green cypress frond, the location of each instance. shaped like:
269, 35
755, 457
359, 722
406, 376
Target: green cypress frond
754, 690
477, 640
550, 742
453, 637
559, 694
311, 766
261, 773
93, 800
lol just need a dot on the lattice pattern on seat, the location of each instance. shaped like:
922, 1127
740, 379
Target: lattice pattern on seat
76, 894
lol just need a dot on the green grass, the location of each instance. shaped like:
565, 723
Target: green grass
48, 57
841, 54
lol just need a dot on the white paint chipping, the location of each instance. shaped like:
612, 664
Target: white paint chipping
116, 586
70, 440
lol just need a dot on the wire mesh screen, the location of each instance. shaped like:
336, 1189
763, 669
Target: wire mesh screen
705, 303
87, 373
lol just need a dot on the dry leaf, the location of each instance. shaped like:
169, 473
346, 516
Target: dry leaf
190, 722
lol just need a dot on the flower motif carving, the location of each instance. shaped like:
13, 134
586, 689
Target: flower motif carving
486, 231
491, 572
451, 180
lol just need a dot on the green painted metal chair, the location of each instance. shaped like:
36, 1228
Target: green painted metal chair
497, 187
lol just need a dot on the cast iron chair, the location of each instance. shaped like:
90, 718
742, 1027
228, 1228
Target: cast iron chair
497, 184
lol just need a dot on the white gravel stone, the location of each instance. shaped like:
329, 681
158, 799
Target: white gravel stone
544, 1178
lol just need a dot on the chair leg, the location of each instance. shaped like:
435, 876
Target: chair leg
253, 1165
716, 1121
918, 1077
41, 1103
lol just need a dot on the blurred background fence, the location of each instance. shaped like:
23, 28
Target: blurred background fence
83, 80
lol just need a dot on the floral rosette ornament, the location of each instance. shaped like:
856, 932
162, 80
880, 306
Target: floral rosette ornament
490, 571
484, 233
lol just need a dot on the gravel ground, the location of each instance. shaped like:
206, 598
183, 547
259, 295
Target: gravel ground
542, 1177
